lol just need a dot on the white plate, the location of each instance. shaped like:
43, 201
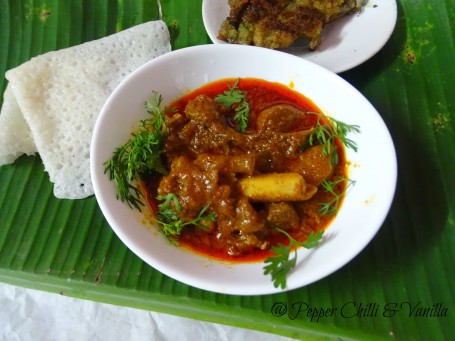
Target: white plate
365, 207
346, 43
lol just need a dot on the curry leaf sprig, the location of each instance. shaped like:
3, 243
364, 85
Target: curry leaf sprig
242, 110
280, 264
168, 217
330, 208
140, 155
325, 133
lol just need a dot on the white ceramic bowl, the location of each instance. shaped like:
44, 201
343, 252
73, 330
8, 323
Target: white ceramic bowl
373, 166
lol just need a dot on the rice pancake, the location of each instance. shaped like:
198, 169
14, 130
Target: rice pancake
60, 95
15, 136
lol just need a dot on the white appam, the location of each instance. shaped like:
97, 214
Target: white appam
61, 93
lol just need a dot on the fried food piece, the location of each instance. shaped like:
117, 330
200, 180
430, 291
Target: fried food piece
279, 23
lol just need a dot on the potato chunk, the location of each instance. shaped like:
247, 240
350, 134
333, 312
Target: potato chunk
276, 187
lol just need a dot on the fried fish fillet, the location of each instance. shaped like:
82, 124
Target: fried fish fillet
279, 23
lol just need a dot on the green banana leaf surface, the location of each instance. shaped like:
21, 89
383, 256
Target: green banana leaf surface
400, 287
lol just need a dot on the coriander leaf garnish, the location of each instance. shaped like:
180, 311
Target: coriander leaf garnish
279, 265
142, 154
242, 114
331, 208
231, 96
242, 110
168, 217
325, 133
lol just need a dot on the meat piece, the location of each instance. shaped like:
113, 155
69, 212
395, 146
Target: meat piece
174, 125
240, 164
247, 219
192, 186
243, 243
205, 131
279, 23
279, 118
272, 148
203, 110
282, 215
312, 165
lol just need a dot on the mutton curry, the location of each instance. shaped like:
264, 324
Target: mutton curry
229, 188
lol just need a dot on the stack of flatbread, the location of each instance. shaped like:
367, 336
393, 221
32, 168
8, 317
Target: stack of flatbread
51, 102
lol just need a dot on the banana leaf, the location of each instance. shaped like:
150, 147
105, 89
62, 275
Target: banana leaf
400, 287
